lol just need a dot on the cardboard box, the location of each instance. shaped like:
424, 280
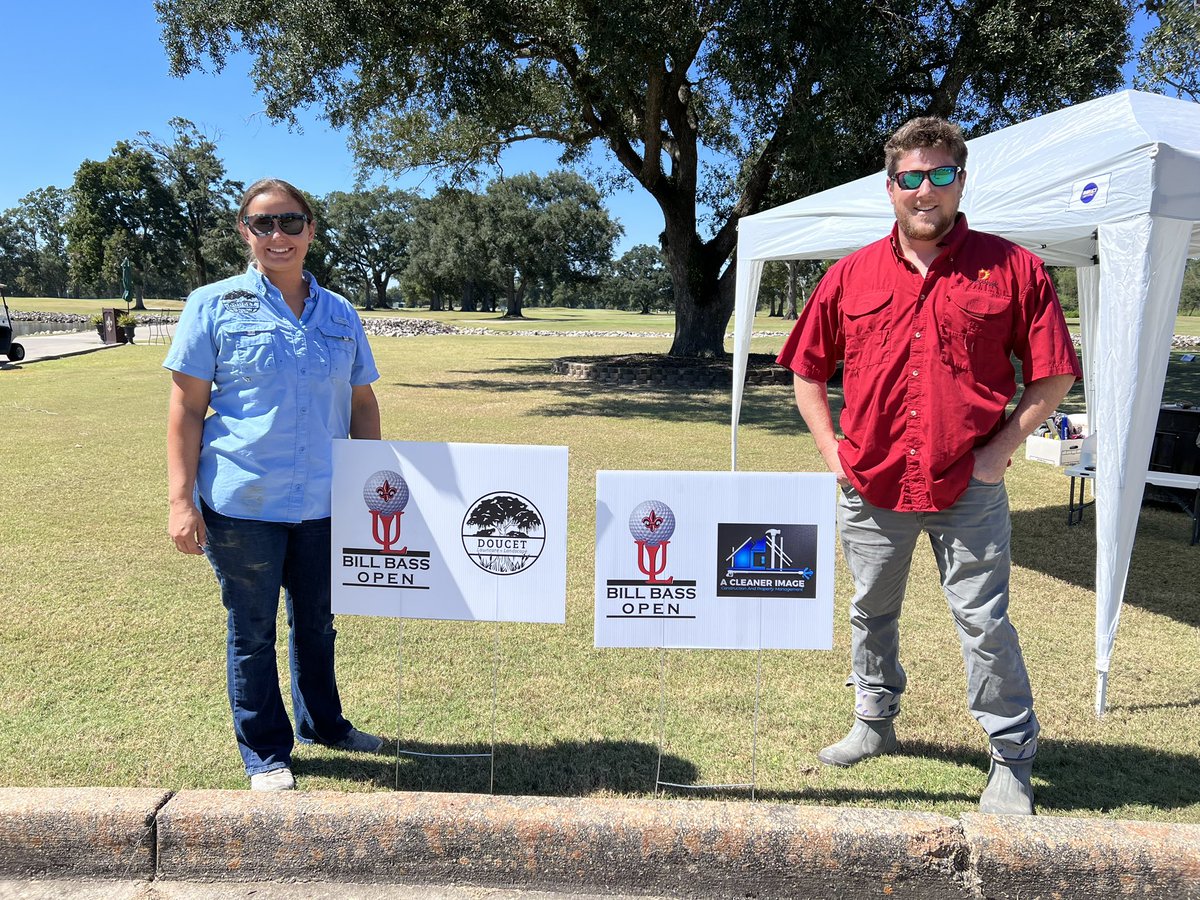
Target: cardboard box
1058, 452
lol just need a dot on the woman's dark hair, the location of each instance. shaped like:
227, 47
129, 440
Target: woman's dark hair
269, 185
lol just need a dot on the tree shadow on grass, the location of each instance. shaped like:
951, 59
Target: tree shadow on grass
1163, 570
1069, 776
769, 407
561, 769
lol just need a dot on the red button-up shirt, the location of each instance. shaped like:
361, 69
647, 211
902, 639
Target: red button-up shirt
928, 360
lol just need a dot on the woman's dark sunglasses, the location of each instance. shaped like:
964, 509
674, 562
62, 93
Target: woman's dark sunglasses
264, 225
939, 177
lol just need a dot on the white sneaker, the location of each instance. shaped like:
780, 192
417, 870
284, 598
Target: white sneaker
275, 780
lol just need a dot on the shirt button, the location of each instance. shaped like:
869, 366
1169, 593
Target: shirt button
917, 335
914, 373
304, 371
913, 413
912, 452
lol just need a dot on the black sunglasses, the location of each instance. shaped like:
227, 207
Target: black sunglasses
939, 177
264, 225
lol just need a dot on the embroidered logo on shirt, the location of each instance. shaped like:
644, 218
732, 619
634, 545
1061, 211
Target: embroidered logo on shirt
984, 274
241, 302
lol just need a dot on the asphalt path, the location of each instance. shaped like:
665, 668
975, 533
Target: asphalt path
42, 347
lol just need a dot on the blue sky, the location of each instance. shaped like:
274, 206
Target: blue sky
78, 76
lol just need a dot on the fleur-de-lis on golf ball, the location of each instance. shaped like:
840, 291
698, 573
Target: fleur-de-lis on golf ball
386, 491
652, 521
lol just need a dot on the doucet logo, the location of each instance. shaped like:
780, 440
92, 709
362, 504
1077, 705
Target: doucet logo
1089, 192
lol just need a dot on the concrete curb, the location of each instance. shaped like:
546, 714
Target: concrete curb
672, 847
667, 847
1047, 857
79, 832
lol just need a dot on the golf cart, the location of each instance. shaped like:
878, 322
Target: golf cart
14, 351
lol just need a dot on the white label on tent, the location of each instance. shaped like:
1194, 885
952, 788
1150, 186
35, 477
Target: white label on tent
1090, 192
473, 532
722, 560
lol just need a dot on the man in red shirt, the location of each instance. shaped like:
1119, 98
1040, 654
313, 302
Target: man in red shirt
926, 322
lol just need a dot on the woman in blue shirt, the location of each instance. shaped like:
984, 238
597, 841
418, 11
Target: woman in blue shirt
284, 367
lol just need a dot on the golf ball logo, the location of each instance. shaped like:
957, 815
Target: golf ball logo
651, 524
386, 494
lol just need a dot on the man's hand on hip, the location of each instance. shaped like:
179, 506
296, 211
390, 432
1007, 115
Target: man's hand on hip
990, 465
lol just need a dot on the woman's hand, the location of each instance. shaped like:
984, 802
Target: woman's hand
185, 525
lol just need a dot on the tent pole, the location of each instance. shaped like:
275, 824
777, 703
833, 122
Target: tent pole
1101, 693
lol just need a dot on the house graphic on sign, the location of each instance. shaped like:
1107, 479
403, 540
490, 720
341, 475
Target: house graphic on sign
763, 554
759, 554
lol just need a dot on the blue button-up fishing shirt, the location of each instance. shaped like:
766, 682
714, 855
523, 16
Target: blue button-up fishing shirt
280, 393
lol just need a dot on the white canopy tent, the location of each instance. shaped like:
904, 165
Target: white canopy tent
1112, 187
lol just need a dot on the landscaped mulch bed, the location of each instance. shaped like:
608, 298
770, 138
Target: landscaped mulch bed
658, 369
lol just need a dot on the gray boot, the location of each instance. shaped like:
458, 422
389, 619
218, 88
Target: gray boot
1008, 791
867, 738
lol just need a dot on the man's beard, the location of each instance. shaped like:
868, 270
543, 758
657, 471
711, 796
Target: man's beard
925, 228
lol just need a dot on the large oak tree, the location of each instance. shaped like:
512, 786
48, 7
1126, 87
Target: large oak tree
725, 105
195, 175
370, 229
121, 209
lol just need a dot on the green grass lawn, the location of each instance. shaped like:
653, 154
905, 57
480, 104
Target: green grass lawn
113, 663
535, 318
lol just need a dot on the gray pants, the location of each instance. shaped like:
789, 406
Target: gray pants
970, 541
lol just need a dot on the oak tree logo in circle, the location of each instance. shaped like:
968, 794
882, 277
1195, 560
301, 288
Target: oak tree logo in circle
503, 533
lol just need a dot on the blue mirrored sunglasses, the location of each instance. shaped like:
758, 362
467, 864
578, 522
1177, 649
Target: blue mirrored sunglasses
939, 177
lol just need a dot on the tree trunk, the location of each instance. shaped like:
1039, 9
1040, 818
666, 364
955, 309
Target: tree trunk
435, 302
381, 284
514, 295
139, 301
468, 302
789, 312
198, 262
703, 296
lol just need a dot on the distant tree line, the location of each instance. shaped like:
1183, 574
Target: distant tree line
168, 207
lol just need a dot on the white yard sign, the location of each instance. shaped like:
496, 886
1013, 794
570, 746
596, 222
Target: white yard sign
733, 560
450, 531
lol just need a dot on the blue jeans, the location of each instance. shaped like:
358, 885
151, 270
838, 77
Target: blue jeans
970, 541
252, 560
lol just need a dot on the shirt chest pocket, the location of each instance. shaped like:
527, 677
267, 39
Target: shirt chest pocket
254, 352
339, 347
867, 320
974, 325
